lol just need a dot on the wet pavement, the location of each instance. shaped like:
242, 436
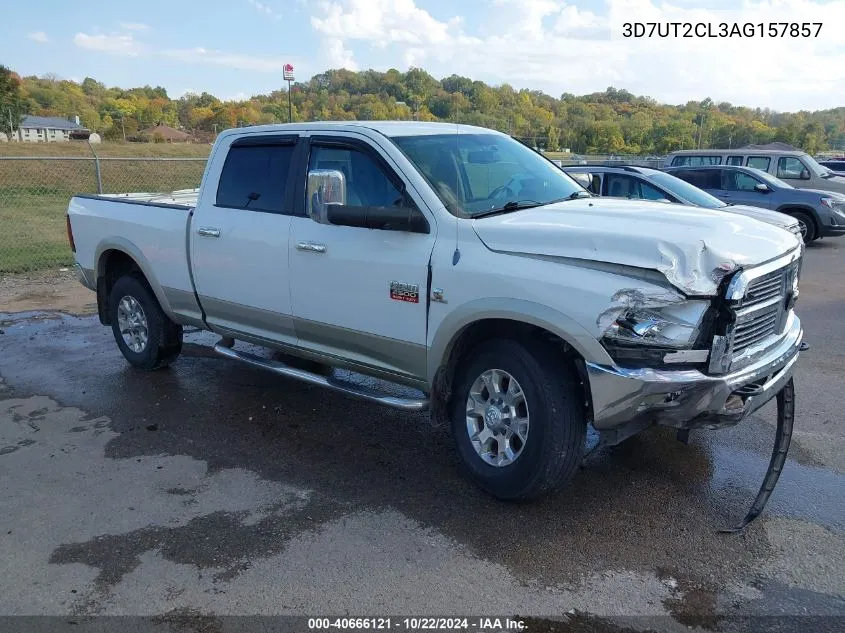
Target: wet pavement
212, 488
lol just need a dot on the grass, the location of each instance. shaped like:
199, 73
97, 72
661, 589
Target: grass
125, 150
34, 196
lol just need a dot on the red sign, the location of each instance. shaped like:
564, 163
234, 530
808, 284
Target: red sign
287, 72
288, 68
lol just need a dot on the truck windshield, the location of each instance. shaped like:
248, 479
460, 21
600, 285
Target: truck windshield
814, 166
476, 174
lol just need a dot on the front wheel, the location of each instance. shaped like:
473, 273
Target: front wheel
518, 418
145, 335
806, 226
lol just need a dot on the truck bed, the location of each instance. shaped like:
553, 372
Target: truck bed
182, 197
150, 227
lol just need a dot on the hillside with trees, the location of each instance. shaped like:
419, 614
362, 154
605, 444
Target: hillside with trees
613, 121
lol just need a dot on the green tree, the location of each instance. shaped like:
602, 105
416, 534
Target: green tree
12, 104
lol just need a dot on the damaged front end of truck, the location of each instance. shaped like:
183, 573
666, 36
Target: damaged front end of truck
702, 363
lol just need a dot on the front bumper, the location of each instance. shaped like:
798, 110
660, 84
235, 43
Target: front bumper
689, 399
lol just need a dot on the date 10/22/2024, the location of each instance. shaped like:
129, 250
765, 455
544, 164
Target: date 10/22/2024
479, 624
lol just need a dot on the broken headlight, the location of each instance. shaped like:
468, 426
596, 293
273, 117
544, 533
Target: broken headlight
646, 335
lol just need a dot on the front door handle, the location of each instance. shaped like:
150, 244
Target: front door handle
206, 231
311, 247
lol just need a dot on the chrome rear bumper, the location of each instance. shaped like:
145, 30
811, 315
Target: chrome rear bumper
688, 399
86, 277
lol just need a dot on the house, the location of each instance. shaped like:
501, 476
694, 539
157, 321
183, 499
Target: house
48, 129
168, 134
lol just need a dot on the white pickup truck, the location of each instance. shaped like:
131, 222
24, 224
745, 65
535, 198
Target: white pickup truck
454, 260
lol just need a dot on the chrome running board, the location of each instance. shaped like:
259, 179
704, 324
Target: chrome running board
223, 348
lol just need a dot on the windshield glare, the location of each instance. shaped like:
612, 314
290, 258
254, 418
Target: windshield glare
688, 192
769, 179
814, 166
477, 173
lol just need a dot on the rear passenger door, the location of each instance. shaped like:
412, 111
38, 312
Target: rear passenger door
239, 239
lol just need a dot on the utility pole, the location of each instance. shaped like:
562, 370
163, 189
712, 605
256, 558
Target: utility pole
123, 127
11, 125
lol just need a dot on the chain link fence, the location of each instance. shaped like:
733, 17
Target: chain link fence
34, 195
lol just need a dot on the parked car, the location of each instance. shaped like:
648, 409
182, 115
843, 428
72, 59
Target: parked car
457, 261
819, 213
644, 183
798, 169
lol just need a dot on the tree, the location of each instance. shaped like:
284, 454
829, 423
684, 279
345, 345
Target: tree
613, 120
12, 105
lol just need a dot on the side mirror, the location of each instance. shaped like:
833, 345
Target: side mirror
326, 189
405, 219
761, 187
805, 174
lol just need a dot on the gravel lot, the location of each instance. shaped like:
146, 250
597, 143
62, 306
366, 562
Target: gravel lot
211, 489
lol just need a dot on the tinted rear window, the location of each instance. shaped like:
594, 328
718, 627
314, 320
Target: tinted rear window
695, 161
701, 178
254, 178
734, 160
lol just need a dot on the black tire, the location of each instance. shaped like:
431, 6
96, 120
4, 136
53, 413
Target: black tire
164, 337
811, 234
554, 444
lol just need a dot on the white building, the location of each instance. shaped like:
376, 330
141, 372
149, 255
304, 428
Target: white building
47, 129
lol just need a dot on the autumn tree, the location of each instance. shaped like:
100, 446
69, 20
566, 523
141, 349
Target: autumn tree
12, 104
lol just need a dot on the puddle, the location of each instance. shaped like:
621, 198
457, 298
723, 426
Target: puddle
804, 492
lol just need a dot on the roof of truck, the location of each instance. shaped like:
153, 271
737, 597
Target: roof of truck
388, 128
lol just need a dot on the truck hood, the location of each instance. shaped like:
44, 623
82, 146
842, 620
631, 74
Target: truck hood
764, 215
693, 247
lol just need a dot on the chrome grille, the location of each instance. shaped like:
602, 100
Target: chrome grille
758, 326
761, 313
766, 288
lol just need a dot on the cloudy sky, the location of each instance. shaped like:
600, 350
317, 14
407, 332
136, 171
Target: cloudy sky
235, 48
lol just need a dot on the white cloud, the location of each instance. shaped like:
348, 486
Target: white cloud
119, 44
556, 46
38, 36
134, 26
264, 8
238, 96
230, 60
336, 55
126, 44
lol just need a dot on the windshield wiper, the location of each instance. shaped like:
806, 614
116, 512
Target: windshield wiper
512, 205
518, 205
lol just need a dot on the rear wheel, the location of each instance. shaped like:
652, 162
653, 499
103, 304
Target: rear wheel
806, 226
145, 335
517, 418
